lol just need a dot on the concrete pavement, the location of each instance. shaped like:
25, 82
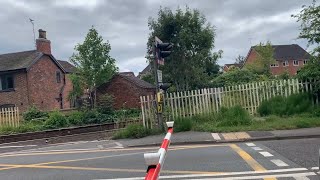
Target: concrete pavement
110, 160
192, 137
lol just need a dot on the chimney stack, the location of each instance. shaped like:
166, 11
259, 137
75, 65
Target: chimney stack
43, 44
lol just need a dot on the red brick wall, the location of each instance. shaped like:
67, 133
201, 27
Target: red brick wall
277, 70
43, 88
67, 88
18, 97
291, 68
126, 94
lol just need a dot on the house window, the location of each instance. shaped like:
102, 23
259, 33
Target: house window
296, 63
274, 65
285, 63
58, 76
6, 82
304, 62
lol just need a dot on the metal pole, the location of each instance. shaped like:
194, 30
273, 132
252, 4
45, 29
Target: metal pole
159, 115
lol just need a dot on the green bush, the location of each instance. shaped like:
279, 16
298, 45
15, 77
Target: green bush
135, 131
303, 124
33, 113
316, 112
105, 104
234, 116
76, 118
281, 106
182, 124
298, 103
56, 120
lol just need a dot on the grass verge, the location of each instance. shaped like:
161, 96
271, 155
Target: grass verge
134, 131
266, 124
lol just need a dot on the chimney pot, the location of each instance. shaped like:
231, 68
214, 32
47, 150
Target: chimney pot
43, 44
42, 34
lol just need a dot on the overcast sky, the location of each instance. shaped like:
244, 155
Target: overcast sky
239, 24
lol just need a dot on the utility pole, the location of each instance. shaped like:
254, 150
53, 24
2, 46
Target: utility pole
160, 51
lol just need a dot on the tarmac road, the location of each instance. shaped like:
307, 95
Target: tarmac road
88, 160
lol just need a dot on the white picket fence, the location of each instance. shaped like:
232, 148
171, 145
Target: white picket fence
249, 96
9, 117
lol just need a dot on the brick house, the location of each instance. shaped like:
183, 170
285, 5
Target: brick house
227, 67
35, 78
126, 89
146, 71
288, 58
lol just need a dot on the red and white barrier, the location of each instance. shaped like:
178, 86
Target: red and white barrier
155, 161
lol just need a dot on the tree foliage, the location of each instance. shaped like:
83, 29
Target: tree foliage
264, 59
94, 64
192, 61
235, 76
309, 17
240, 59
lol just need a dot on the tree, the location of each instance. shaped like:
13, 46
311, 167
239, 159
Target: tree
240, 59
264, 59
192, 61
309, 17
235, 76
93, 62
149, 78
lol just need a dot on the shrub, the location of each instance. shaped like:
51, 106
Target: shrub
316, 112
33, 113
56, 120
105, 104
303, 124
275, 105
182, 124
293, 104
76, 118
234, 116
135, 131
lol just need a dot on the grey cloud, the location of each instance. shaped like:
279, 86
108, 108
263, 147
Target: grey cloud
124, 24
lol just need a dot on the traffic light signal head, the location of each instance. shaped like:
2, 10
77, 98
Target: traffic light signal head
164, 49
165, 86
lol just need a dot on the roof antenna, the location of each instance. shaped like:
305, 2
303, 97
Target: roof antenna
34, 36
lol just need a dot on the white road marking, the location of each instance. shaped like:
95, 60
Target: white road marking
119, 145
279, 163
266, 154
263, 176
250, 144
315, 168
302, 178
4, 147
257, 148
216, 136
223, 174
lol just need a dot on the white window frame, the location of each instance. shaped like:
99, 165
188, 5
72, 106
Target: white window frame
294, 62
305, 62
285, 63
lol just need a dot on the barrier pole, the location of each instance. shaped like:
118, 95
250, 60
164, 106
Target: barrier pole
155, 161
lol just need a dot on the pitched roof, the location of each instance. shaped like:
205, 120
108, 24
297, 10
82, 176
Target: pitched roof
18, 60
137, 81
127, 73
68, 67
145, 70
22, 60
235, 65
289, 52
